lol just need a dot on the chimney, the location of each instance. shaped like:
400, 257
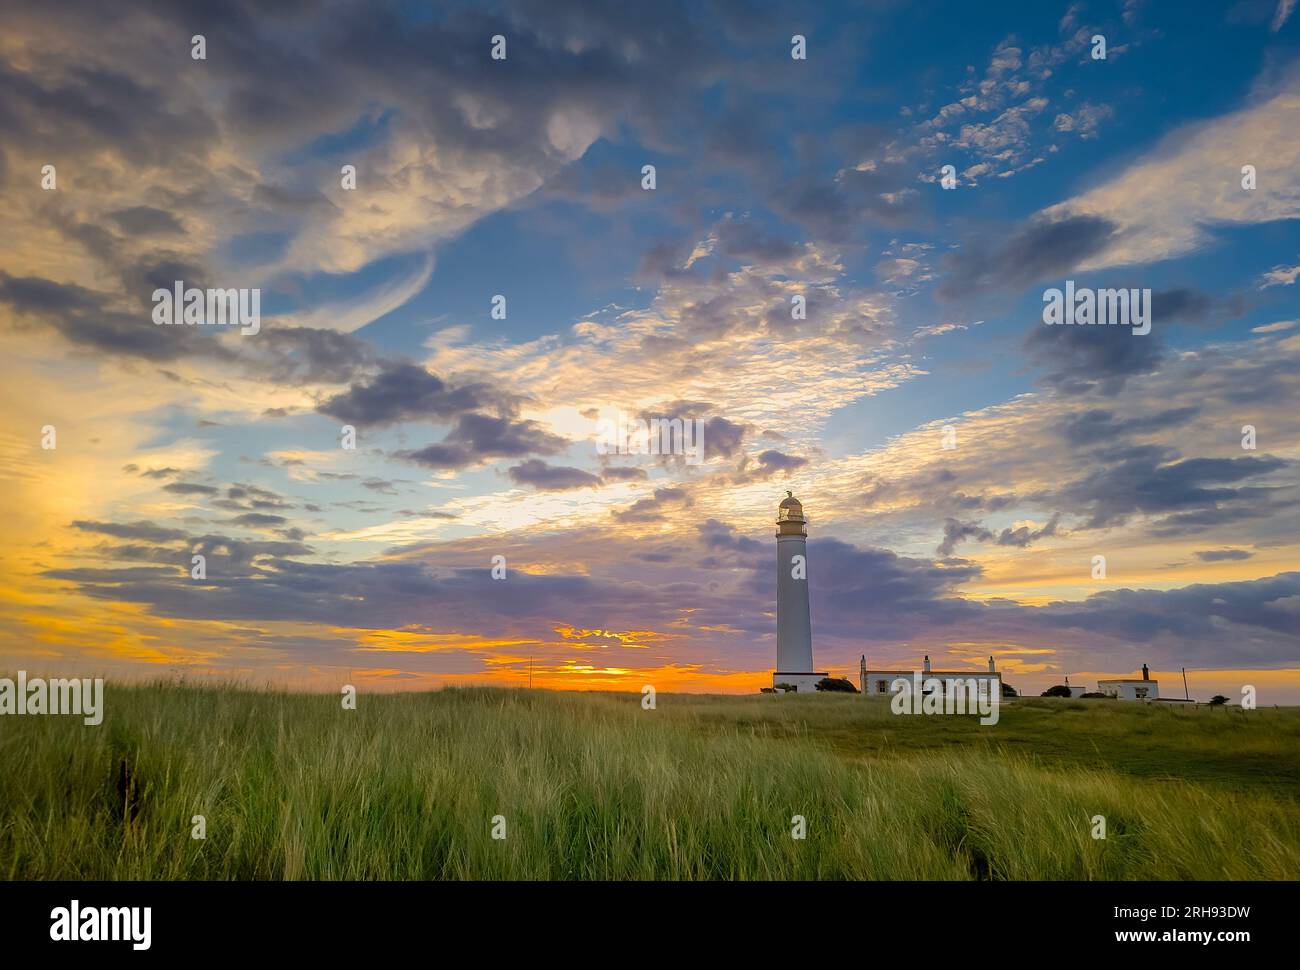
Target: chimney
1146, 674
992, 669
927, 663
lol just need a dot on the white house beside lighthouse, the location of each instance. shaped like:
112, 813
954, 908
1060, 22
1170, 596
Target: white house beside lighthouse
794, 659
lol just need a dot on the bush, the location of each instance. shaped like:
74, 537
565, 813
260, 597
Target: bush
1097, 695
1218, 700
836, 684
1060, 690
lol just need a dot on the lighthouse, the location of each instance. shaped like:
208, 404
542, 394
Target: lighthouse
794, 659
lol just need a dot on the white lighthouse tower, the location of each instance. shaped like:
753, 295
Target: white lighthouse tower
794, 659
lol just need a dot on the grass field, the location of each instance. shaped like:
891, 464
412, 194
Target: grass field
593, 787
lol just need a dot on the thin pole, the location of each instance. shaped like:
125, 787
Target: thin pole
1186, 695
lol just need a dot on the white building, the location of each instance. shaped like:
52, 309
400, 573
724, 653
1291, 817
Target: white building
885, 683
1144, 689
1075, 691
794, 659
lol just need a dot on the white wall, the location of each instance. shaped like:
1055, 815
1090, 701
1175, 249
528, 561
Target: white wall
807, 683
984, 680
1130, 690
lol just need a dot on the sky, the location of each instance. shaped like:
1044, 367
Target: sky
962, 463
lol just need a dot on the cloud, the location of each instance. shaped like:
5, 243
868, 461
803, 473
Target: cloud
132, 530
768, 463
1223, 555
1201, 490
478, 437
1085, 121
652, 509
1043, 249
146, 220
540, 475
258, 520
1281, 15
88, 318
190, 488
405, 392
955, 532
1280, 276
1083, 360
1171, 199
622, 473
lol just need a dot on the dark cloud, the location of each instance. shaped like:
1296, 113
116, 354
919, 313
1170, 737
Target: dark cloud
722, 437
1041, 250
1223, 555
837, 206
766, 464
1198, 618
652, 509
258, 520
306, 355
894, 597
722, 535
1202, 490
190, 488
623, 473
743, 241
144, 220
405, 392
131, 530
479, 437
1194, 307
551, 478
955, 532
1024, 536
1082, 360
1101, 426
84, 317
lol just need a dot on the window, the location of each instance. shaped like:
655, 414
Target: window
882, 687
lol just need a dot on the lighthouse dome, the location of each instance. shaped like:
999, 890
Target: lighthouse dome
790, 510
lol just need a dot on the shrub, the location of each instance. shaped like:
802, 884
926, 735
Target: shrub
836, 684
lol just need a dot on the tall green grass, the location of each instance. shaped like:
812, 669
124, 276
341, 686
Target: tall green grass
593, 787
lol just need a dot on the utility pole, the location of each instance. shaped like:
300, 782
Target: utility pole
530, 672
1186, 695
